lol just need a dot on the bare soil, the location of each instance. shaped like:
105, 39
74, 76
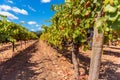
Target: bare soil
39, 61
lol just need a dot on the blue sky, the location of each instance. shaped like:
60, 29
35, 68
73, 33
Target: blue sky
33, 13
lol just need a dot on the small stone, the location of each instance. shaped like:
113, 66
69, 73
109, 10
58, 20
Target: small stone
82, 71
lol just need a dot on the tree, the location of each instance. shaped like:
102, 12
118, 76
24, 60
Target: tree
73, 19
111, 9
70, 25
12, 32
3, 29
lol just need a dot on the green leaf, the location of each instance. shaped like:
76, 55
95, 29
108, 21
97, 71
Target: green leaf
87, 25
67, 1
83, 40
110, 8
85, 48
116, 25
110, 36
11, 39
107, 29
100, 29
77, 12
113, 16
98, 22
106, 1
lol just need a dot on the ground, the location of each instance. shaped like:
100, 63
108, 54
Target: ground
39, 61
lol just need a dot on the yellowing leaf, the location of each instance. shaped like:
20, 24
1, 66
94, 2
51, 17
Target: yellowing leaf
106, 1
110, 8
111, 2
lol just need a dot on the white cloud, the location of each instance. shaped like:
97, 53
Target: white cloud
22, 21
39, 28
31, 8
10, 1
9, 15
32, 23
5, 7
37, 25
8, 20
21, 11
14, 9
45, 1
32, 29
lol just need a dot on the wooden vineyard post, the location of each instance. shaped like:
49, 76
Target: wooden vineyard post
96, 55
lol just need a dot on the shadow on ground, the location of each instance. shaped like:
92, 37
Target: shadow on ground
84, 61
18, 67
111, 53
115, 47
8, 47
108, 70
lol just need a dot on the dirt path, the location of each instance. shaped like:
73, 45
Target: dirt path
41, 62
6, 50
17, 68
36, 63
